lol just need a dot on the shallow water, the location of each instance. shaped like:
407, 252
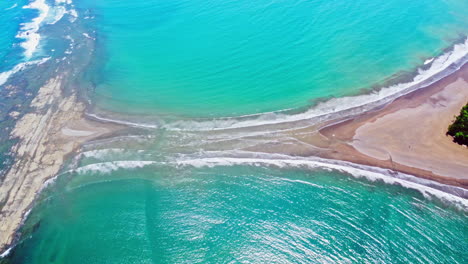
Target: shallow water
229, 58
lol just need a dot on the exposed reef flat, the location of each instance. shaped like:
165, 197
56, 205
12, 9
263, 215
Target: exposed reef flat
54, 129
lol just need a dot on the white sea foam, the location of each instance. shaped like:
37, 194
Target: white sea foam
110, 120
60, 9
68, 2
58, 13
370, 173
108, 167
28, 31
109, 152
6, 252
430, 189
48, 183
439, 68
11, 7
5, 75
428, 61
88, 36
101, 153
71, 46
73, 14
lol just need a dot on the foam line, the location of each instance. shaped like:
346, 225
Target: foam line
11, 7
439, 68
59, 12
108, 167
28, 31
429, 189
370, 173
5, 75
433, 71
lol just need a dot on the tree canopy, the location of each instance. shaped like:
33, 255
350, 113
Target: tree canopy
459, 129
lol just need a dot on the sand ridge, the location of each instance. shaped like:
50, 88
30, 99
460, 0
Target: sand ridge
409, 134
416, 136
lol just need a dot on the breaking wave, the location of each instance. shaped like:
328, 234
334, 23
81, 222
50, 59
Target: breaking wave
429, 189
29, 32
5, 75
434, 70
108, 167
425, 187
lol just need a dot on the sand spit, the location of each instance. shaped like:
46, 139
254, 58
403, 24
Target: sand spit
407, 135
53, 130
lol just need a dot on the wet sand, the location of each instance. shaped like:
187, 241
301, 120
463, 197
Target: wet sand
409, 134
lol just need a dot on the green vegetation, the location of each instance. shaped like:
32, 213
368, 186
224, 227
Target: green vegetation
459, 129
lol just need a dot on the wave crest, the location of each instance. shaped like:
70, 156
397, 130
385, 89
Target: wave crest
429, 189
425, 187
108, 167
5, 75
432, 71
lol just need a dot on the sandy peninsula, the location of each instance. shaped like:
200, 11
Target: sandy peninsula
409, 134
406, 135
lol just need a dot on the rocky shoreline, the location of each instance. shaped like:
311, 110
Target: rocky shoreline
47, 135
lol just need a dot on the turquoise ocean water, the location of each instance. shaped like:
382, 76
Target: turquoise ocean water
129, 199
228, 58
238, 214
10, 52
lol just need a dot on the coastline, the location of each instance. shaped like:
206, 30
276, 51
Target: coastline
62, 119
330, 108
409, 134
405, 134
59, 125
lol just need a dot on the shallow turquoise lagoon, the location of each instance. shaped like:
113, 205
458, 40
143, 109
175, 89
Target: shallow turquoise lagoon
202, 58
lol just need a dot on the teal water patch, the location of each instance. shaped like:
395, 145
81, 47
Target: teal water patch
12, 16
236, 214
227, 58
